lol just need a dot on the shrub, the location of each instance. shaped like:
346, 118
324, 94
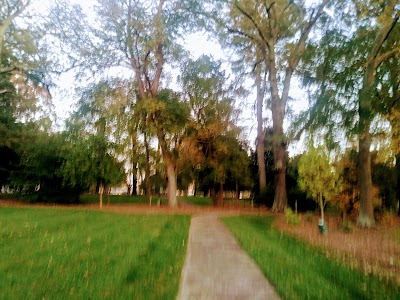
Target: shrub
291, 217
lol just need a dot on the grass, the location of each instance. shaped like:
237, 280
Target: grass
206, 201
73, 254
195, 200
114, 199
300, 271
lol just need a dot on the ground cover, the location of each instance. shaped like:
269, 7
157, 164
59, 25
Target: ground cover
374, 251
299, 270
112, 199
77, 254
195, 200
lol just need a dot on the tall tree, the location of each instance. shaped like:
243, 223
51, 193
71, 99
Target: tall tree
138, 35
355, 93
260, 146
378, 54
281, 31
212, 131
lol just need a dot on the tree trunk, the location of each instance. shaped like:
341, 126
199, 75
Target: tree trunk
278, 113
147, 171
221, 195
108, 196
366, 214
170, 166
171, 190
213, 196
134, 179
398, 183
134, 164
260, 148
101, 189
280, 200
237, 193
321, 206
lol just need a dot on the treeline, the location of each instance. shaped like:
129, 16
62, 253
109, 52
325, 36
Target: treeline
133, 114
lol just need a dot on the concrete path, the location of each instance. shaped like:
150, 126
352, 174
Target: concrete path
217, 268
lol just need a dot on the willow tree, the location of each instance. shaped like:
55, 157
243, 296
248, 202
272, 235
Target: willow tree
280, 29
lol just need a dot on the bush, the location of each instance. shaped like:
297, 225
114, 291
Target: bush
291, 217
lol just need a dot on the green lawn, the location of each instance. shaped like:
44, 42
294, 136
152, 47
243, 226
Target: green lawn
299, 271
195, 200
73, 254
114, 199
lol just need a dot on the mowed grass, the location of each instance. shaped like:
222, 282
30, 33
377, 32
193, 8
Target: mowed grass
114, 199
299, 271
73, 254
196, 200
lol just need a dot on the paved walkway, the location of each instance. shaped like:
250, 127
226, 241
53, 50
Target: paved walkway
217, 268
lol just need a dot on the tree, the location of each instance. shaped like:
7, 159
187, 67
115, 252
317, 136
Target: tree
89, 157
355, 94
212, 134
280, 31
87, 161
317, 177
140, 36
260, 146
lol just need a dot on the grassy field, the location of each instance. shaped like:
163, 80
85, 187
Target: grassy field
206, 201
299, 271
72, 254
114, 199
195, 200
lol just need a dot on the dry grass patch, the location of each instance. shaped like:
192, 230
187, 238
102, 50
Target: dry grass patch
374, 251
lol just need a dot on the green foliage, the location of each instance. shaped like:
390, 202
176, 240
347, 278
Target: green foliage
87, 161
217, 155
52, 253
300, 271
317, 177
291, 217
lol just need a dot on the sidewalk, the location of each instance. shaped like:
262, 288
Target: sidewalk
217, 268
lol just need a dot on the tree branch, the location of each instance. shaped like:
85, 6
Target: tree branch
297, 53
242, 33
381, 58
159, 49
383, 36
254, 23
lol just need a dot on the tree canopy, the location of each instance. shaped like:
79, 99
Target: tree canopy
146, 107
